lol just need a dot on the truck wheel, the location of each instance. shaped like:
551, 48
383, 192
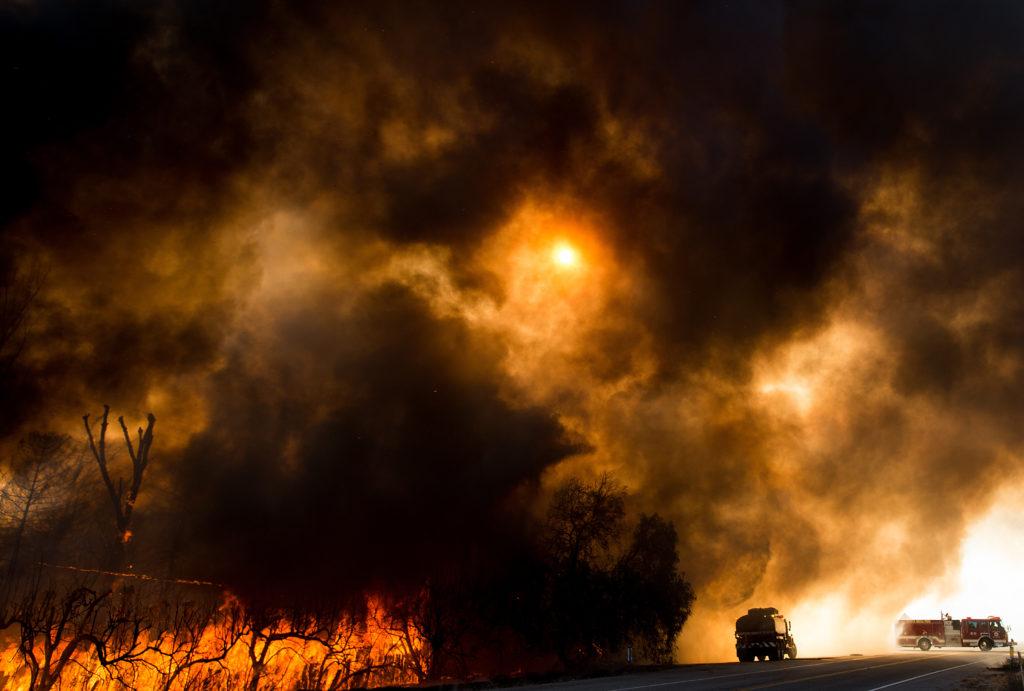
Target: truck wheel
791, 651
985, 645
924, 644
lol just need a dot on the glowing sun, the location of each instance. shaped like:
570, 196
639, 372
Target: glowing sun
564, 255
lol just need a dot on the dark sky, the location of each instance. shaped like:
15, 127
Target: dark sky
315, 240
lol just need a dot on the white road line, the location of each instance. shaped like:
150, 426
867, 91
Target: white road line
726, 676
922, 676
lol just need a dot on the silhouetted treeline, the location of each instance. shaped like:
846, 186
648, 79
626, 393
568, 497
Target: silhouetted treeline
84, 595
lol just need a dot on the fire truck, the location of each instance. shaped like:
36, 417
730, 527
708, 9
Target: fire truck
763, 633
983, 634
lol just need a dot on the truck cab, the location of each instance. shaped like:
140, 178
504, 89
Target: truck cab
983, 633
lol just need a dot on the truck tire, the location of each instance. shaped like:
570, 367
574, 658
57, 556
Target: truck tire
985, 645
924, 644
791, 651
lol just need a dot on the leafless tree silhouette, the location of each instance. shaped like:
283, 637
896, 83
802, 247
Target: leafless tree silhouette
584, 519
59, 624
122, 498
192, 639
37, 486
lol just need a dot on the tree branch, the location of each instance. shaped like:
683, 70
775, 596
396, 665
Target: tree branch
100, 454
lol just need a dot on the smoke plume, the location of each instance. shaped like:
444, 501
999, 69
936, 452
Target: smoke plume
316, 240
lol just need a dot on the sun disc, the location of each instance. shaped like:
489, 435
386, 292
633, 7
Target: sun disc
565, 255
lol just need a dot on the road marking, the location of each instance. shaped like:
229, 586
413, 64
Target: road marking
921, 676
823, 676
727, 676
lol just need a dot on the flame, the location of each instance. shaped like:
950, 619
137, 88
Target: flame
232, 650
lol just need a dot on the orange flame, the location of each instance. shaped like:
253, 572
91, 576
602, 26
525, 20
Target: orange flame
233, 648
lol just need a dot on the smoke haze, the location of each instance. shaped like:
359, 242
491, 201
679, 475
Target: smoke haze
316, 241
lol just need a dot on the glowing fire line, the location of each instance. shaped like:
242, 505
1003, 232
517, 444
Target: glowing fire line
139, 576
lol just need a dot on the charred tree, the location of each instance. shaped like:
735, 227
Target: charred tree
434, 626
267, 631
194, 636
51, 629
58, 625
37, 490
122, 496
353, 655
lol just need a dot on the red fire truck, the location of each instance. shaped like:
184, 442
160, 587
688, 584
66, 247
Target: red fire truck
983, 634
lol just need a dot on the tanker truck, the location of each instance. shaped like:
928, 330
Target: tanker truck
764, 634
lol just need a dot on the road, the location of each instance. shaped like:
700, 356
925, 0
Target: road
903, 671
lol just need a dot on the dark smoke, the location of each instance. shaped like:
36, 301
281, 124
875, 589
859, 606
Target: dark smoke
414, 460
825, 193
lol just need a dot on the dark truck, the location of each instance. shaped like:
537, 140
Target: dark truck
764, 634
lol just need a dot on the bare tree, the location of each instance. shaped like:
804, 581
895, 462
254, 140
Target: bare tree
267, 632
49, 625
438, 627
59, 625
121, 497
584, 519
40, 482
191, 639
356, 650
122, 634
421, 658
327, 647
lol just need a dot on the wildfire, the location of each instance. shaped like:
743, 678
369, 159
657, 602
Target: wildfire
105, 640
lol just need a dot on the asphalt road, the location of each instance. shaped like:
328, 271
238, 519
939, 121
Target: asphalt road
903, 671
